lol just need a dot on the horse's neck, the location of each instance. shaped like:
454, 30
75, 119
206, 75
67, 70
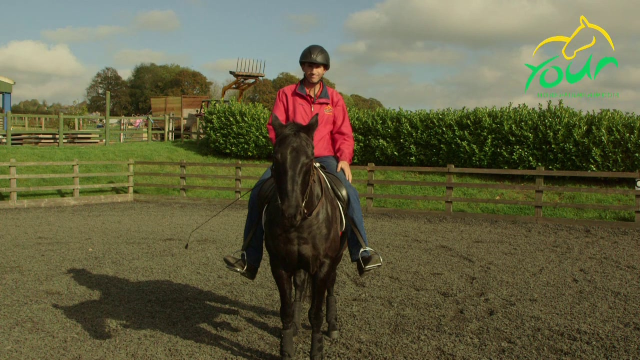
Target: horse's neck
316, 192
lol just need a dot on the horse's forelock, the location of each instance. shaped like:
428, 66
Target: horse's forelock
291, 135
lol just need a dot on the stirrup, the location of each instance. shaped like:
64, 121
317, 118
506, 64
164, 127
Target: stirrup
245, 262
368, 249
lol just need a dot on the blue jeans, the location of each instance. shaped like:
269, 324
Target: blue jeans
254, 250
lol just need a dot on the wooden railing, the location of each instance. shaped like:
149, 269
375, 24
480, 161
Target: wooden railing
60, 130
538, 188
73, 172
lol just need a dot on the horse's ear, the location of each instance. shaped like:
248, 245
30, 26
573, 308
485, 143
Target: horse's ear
277, 124
311, 127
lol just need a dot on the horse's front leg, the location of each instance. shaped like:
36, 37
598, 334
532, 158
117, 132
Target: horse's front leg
319, 290
300, 280
283, 280
332, 310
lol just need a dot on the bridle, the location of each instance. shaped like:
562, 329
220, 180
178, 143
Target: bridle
312, 180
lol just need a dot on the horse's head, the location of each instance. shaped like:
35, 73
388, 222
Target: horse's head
293, 161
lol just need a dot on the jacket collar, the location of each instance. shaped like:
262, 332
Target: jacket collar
324, 94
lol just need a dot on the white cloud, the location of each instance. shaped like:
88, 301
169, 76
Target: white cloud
477, 24
82, 34
222, 65
473, 53
34, 57
130, 57
43, 72
157, 20
372, 52
302, 23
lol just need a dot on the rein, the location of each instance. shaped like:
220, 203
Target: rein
312, 180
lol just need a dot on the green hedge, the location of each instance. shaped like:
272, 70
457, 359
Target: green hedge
556, 137
238, 130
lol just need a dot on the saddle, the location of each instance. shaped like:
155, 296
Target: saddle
339, 190
267, 192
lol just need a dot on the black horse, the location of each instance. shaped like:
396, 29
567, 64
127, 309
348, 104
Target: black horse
303, 235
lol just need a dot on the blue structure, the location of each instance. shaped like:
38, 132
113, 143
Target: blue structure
6, 86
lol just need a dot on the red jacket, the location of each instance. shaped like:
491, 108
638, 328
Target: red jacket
334, 136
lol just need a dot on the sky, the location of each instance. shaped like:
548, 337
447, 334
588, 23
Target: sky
409, 54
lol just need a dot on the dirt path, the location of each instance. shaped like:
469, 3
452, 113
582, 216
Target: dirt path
115, 282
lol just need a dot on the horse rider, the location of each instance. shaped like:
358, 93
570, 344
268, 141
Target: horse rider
334, 147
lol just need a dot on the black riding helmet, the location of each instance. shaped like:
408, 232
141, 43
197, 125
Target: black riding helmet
315, 54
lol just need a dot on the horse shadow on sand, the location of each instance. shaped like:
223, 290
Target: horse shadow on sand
175, 309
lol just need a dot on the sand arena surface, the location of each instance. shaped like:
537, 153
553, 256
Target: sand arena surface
113, 281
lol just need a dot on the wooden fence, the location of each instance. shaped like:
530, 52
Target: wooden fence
58, 130
14, 189
178, 170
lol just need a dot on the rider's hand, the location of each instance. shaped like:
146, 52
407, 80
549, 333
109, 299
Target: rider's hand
343, 165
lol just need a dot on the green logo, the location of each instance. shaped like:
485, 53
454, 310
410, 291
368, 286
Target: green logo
571, 78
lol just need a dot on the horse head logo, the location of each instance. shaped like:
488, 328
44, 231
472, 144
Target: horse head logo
583, 24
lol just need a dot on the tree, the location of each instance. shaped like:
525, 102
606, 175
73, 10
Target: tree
32, 106
105, 80
348, 101
283, 79
361, 102
77, 108
149, 79
188, 82
262, 92
328, 82
215, 90
146, 80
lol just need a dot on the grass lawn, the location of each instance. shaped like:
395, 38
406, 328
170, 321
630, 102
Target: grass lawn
191, 152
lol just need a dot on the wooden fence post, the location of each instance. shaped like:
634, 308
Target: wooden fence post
149, 128
539, 192
197, 130
166, 127
370, 186
183, 177
121, 137
13, 182
106, 119
130, 177
181, 126
9, 128
76, 178
60, 129
448, 204
238, 180
638, 200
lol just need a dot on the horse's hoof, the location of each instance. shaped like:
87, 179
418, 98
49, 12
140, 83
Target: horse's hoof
333, 334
